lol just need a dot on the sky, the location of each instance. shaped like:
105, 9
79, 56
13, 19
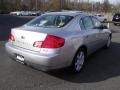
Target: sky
111, 1
115, 1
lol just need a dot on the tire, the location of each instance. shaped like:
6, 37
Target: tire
108, 43
78, 61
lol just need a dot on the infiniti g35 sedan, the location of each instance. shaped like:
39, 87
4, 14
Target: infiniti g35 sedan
58, 39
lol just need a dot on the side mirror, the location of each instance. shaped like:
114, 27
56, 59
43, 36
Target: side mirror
103, 27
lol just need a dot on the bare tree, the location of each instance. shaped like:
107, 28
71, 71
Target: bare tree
106, 6
55, 5
17, 4
2, 5
32, 4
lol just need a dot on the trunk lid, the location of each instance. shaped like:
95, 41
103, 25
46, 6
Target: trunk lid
25, 39
26, 36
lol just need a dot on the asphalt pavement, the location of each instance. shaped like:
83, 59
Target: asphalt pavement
101, 71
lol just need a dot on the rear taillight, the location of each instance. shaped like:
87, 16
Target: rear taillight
11, 37
50, 42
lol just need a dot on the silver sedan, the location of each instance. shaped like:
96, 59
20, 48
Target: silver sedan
58, 39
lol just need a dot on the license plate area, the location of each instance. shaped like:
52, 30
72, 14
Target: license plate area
20, 58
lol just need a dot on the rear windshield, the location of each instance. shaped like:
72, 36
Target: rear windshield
50, 21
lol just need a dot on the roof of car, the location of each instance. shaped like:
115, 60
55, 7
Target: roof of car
70, 13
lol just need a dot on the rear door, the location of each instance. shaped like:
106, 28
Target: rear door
101, 35
89, 33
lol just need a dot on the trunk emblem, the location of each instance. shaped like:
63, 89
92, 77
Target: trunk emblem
22, 37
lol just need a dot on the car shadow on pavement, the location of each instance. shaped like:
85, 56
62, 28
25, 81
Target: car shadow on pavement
102, 65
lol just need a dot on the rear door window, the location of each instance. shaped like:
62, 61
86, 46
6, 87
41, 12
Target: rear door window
88, 24
96, 22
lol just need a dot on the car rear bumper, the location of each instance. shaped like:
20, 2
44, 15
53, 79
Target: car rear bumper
35, 59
